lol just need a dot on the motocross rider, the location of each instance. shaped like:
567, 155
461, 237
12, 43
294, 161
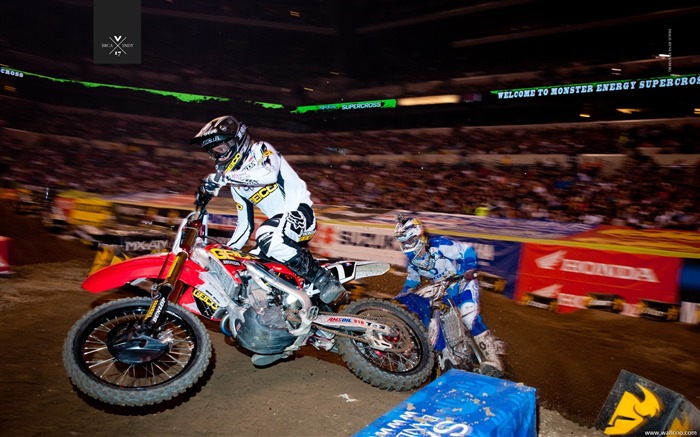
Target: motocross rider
260, 176
439, 257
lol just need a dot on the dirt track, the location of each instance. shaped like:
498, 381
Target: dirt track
572, 360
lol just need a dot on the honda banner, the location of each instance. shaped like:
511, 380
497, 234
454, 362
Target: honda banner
571, 275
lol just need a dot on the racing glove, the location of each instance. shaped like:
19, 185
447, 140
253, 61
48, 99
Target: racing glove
208, 188
469, 274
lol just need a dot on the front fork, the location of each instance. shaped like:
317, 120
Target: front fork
138, 341
162, 293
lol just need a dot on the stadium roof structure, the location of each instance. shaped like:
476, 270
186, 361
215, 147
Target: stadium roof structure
323, 52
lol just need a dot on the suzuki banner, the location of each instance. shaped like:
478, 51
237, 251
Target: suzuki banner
572, 274
497, 259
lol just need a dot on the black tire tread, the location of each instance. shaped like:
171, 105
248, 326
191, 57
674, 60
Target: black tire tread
380, 378
135, 398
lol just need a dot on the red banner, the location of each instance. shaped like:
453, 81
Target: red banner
571, 274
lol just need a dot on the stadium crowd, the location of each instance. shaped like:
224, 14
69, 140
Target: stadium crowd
683, 138
640, 193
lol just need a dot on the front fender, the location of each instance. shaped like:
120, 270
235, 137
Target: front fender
152, 267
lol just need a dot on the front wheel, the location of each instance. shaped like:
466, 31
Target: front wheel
405, 368
108, 360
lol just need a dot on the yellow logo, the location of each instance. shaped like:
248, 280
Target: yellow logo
680, 425
631, 412
229, 254
263, 193
208, 301
233, 162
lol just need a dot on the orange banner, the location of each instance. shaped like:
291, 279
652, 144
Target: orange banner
684, 244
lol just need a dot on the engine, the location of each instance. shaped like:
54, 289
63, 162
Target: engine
258, 305
264, 333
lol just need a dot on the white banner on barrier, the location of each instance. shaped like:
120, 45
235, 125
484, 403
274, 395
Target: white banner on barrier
358, 242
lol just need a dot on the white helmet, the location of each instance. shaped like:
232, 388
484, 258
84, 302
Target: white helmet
411, 236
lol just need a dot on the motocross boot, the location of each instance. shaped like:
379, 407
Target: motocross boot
304, 265
492, 365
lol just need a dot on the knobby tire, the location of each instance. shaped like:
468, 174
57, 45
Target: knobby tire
389, 371
96, 372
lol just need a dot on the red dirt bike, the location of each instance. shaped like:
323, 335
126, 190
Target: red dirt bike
144, 350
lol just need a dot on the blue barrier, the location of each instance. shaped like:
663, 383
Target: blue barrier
461, 403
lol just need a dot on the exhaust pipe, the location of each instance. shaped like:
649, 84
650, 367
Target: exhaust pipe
308, 311
260, 274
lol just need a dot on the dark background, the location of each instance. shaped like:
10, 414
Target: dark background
328, 51
320, 51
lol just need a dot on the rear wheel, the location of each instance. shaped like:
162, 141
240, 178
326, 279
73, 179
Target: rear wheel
110, 361
406, 366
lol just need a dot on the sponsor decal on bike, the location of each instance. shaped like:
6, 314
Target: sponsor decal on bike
334, 319
230, 254
156, 308
205, 303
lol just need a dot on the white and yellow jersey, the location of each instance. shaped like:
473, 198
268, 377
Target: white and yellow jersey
266, 180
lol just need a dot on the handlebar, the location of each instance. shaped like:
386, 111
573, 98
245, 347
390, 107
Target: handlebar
436, 290
196, 221
201, 211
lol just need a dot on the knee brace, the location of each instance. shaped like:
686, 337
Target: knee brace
469, 312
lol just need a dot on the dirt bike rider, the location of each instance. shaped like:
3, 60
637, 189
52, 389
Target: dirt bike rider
260, 176
438, 257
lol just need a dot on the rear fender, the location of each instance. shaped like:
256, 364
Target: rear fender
152, 267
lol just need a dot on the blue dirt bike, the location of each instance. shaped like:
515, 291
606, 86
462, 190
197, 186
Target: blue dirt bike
454, 345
